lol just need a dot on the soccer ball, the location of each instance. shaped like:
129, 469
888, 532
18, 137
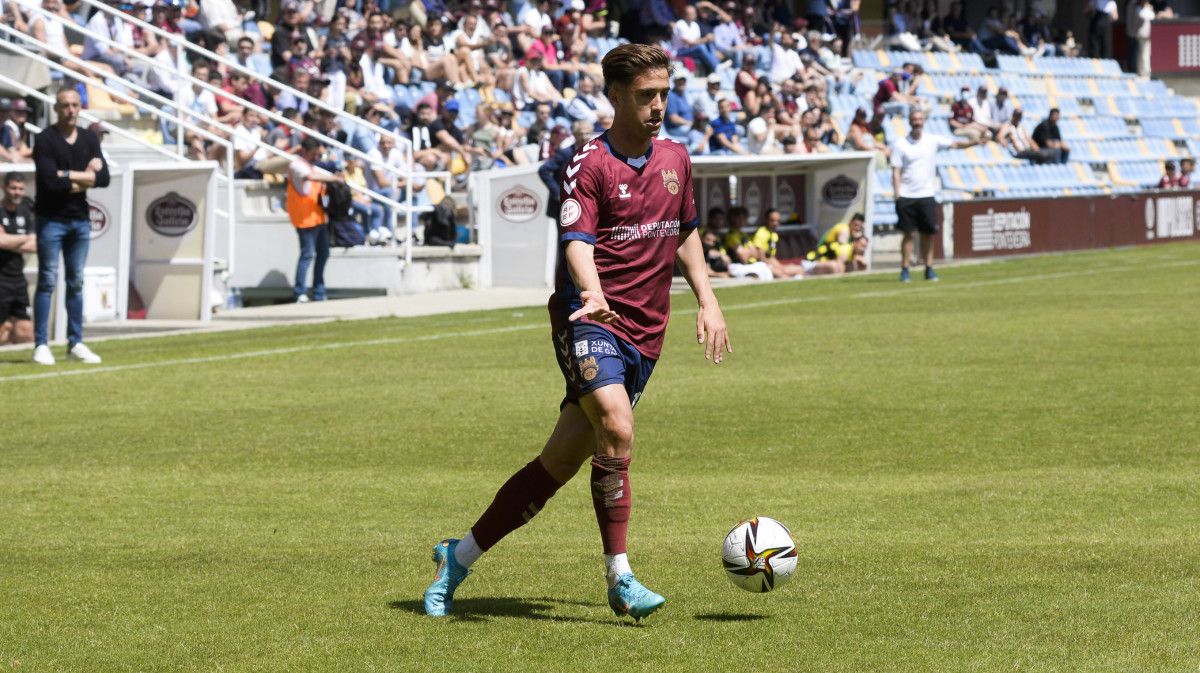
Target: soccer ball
759, 554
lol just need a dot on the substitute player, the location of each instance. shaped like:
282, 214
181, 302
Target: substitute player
17, 236
914, 182
627, 215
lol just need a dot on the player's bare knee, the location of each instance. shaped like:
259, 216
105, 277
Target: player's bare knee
615, 436
22, 332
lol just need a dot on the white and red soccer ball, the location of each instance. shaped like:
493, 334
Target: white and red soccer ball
759, 554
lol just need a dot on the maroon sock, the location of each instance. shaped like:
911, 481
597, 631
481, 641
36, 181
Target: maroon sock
518, 500
612, 500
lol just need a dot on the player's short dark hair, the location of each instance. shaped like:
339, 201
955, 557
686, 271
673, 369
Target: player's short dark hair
310, 143
245, 39
1053, 110
858, 216
714, 210
13, 176
623, 64
767, 213
1170, 166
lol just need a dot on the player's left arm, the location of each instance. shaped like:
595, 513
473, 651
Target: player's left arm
711, 331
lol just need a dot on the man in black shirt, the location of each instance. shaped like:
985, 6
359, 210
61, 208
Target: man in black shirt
68, 163
1047, 137
17, 237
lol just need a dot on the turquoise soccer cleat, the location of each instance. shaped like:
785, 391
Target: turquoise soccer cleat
440, 595
629, 597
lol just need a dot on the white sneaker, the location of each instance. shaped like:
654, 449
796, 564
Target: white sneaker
373, 237
302, 299
81, 353
385, 235
42, 355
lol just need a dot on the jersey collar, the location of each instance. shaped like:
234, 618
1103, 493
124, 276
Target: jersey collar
636, 163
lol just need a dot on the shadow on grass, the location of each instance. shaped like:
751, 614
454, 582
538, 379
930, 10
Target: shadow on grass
483, 609
729, 617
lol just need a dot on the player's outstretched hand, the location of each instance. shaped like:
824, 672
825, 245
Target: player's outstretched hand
712, 333
595, 306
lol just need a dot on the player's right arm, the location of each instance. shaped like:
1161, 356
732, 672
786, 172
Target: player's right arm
578, 220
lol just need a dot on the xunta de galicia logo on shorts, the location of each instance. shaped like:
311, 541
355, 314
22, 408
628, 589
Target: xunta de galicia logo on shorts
569, 213
671, 181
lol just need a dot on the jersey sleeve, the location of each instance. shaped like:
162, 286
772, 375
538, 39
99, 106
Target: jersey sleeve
688, 217
580, 189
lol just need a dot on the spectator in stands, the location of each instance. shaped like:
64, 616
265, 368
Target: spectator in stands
915, 184
499, 142
15, 138
289, 28
588, 104
539, 130
956, 25
530, 22
18, 237
109, 41
760, 137
1035, 31
735, 240
764, 246
931, 31
369, 211
1047, 136
533, 85
1013, 137
545, 51
962, 119
688, 42
812, 141
859, 136
728, 40
1102, 15
247, 151
1170, 178
708, 100
222, 18
722, 133
785, 59
981, 110
679, 115
435, 145
1000, 109
1187, 167
897, 30
383, 172
305, 186
1138, 15
890, 98
246, 55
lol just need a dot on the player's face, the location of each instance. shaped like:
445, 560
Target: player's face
15, 191
773, 221
640, 105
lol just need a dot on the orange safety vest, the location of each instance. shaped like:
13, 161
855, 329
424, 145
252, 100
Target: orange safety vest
305, 211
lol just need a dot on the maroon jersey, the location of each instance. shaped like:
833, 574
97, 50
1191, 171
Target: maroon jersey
633, 211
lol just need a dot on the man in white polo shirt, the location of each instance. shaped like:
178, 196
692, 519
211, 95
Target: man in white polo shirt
915, 182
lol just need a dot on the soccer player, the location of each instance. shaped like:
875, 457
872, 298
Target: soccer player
627, 215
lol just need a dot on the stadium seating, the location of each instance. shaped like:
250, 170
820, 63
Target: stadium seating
1120, 128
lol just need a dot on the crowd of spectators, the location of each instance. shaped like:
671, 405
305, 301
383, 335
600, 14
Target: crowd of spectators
487, 84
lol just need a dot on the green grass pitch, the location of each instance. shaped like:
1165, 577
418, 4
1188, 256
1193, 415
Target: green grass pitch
999, 472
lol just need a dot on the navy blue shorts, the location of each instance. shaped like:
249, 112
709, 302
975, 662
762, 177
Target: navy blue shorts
591, 357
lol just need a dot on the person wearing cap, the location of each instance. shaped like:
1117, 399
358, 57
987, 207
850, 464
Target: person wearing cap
290, 26
532, 86
687, 41
68, 162
708, 99
679, 115
546, 48
530, 23
962, 118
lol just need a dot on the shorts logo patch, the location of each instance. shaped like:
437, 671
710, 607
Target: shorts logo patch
581, 348
569, 213
589, 368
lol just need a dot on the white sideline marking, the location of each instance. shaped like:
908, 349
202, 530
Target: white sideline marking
268, 352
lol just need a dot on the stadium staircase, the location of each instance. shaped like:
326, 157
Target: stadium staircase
1121, 129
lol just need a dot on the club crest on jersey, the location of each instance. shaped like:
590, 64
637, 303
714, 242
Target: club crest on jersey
624, 191
588, 368
671, 181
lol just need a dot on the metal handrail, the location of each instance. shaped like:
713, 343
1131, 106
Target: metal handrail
106, 125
